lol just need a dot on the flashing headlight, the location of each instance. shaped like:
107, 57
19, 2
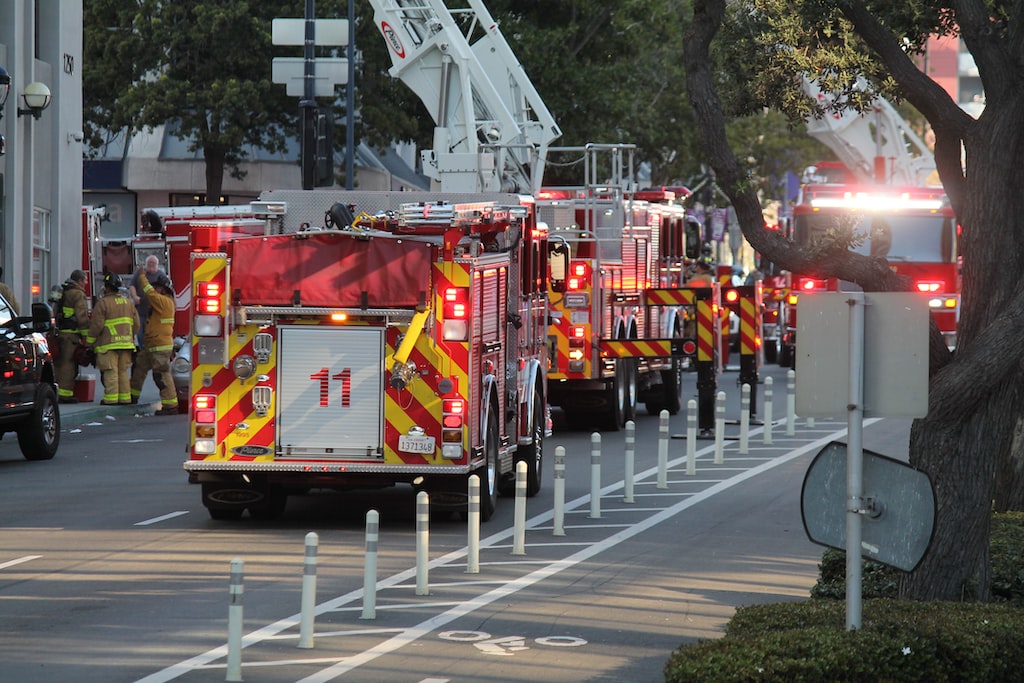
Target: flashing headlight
808, 284
943, 302
869, 201
930, 287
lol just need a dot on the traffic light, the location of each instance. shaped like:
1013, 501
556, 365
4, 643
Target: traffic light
324, 146
317, 148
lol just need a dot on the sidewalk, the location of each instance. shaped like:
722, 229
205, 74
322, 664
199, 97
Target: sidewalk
73, 414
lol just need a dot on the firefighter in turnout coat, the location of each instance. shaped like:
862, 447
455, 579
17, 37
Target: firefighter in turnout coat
72, 327
112, 333
158, 343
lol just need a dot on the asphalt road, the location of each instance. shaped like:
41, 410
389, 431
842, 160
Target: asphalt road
111, 570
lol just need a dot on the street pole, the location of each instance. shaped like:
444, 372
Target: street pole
307, 106
350, 100
855, 504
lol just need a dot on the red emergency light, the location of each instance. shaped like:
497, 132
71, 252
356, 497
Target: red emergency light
579, 275
456, 303
931, 286
808, 284
731, 296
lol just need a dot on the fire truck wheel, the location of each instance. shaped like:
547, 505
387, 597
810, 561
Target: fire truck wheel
489, 472
271, 507
629, 390
533, 455
39, 433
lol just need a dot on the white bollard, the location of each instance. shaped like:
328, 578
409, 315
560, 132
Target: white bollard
473, 527
691, 437
745, 418
720, 428
519, 515
663, 450
370, 566
627, 486
235, 593
810, 423
595, 476
307, 613
790, 403
559, 506
422, 542
767, 434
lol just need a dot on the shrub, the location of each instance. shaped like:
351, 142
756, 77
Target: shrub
898, 642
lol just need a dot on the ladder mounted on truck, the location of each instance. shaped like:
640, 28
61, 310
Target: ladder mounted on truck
878, 147
492, 127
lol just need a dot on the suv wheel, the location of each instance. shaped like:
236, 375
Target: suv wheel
39, 433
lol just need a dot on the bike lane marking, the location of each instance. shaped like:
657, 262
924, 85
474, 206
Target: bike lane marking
403, 637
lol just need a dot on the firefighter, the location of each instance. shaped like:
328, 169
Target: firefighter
702, 276
112, 331
72, 327
158, 343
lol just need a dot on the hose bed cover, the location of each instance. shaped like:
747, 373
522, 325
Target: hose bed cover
329, 269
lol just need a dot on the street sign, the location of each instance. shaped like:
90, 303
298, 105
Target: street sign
897, 529
328, 32
895, 366
329, 72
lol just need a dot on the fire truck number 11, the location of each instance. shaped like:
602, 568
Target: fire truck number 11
325, 376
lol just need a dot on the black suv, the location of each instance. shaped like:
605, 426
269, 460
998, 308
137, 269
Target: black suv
28, 394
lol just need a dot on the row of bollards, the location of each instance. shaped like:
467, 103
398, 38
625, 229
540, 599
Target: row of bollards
308, 599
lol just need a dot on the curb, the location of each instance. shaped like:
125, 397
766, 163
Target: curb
72, 415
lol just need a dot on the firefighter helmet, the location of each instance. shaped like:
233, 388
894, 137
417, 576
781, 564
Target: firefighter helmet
163, 281
112, 281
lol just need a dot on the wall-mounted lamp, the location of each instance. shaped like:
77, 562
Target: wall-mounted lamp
37, 98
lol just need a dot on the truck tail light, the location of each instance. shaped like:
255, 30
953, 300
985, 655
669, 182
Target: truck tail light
453, 420
204, 419
455, 311
579, 275
208, 307
931, 286
731, 296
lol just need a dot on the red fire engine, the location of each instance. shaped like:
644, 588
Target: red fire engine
621, 243
405, 345
913, 228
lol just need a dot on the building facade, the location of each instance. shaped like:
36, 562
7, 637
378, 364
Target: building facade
41, 171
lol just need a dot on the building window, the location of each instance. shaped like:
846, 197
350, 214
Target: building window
40, 253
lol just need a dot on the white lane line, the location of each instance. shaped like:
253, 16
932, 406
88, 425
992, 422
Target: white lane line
161, 518
415, 633
27, 558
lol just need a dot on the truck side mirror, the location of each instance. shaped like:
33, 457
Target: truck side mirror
692, 237
558, 265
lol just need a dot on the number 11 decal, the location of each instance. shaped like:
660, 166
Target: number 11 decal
325, 376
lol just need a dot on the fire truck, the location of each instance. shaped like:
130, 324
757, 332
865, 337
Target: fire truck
621, 243
885, 189
913, 228
368, 340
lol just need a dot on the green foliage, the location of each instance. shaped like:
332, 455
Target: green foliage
898, 642
1006, 548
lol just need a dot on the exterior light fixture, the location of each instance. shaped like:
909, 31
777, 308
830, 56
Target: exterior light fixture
37, 98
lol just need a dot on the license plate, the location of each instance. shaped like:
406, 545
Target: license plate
416, 444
